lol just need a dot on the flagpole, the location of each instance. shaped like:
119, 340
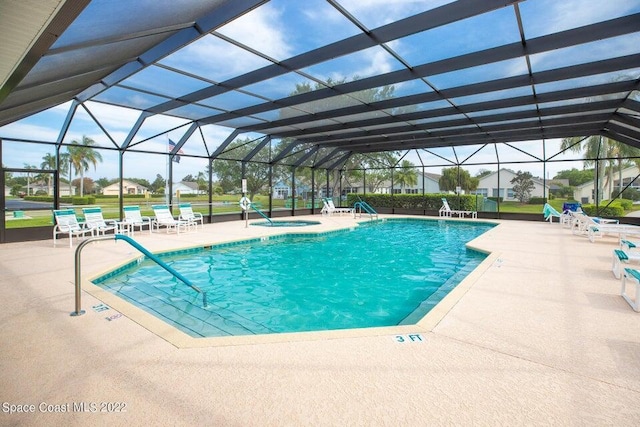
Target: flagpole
166, 187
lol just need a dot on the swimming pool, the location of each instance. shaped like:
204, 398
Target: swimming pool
380, 273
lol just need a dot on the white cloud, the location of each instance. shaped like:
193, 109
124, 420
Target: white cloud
260, 30
375, 13
553, 15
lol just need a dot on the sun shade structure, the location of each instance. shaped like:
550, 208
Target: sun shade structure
333, 78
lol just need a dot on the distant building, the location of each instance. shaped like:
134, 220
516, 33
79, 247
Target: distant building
185, 187
427, 183
128, 187
585, 193
488, 186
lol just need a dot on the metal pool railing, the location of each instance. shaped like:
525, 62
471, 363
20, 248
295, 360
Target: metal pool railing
139, 247
261, 213
362, 206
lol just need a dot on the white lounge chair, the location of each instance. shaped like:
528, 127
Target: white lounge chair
595, 228
622, 258
94, 220
187, 214
67, 223
329, 208
164, 218
630, 273
134, 218
446, 211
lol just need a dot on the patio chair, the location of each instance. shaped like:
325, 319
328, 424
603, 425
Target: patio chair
446, 211
593, 227
134, 218
164, 218
620, 259
94, 220
329, 208
67, 223
632, 274
187, 214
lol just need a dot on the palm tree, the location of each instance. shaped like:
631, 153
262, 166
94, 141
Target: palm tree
594, 148
406, 175
64, 169
48, 162
81, 156
621, 151
28, 166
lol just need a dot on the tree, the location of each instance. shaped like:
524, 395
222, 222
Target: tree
87, 184
449, 180
65, 169
603, 153
202, 182
104, 182
81, 156
229, 172
48, 162
621, 151
483, 172
29, 174
406, 175
157, 186
523, 184
576, 177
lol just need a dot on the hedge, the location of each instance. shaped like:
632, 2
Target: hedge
416, 201
612, 211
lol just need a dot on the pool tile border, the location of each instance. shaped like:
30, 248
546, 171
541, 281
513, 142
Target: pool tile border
182, 340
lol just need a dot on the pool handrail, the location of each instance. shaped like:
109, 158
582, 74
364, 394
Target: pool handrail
361, 205
140, 248
261, 213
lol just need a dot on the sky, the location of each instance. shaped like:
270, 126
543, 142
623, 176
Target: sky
271, 29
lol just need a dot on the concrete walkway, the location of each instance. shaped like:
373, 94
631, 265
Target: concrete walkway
538, 336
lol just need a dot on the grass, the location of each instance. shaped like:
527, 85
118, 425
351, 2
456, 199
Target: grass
222, 205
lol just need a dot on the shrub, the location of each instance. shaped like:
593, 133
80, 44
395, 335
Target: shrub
77, 200
611, 211
416, 201
537, 201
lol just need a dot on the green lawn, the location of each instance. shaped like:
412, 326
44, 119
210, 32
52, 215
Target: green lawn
222, 205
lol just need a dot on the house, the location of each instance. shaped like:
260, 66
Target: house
585, 193
128, 187
488, 186
283, 191
7, 191
185, 187
427, 183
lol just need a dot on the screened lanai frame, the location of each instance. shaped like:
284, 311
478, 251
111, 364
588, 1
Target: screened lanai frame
494, 73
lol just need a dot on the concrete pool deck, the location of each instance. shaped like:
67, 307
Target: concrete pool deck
540, 335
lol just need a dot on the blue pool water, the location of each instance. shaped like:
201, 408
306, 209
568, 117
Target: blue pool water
381, 273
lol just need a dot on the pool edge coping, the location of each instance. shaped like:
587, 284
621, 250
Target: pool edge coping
180, 339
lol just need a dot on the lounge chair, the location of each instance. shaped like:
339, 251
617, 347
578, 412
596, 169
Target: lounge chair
630, 273
187, 214
622, 258
134, 218
549, 212
446, 211
329, 208
94, 220
594, 228
67, 223
164, 218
